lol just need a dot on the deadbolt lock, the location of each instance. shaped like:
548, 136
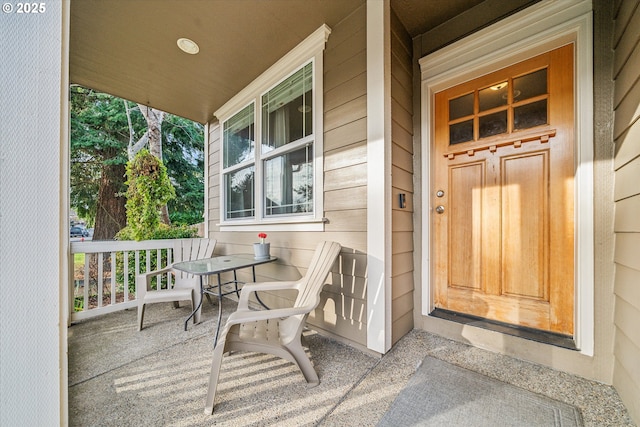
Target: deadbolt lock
440, 193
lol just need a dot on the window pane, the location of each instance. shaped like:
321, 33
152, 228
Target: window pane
461, 106
287, 110
530, 85
493, 124
238, 135
530, 115
239, 189
461, 132
288, 182
493, 96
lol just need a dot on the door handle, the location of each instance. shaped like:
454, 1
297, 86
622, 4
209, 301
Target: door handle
440, 209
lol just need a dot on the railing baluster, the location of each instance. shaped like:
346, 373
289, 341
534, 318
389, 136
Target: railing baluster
100, 277
137, 271
125, 274
158, 266
169, 262
147, 258
114, 296
86, 280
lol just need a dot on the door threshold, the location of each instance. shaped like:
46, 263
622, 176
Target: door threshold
537, 335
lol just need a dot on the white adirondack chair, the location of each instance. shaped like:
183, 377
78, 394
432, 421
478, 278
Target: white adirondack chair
186, 287
276, 331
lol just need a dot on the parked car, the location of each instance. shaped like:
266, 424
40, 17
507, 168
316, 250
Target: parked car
78, 232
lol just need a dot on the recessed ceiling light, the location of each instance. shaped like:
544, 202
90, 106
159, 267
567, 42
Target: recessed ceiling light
499, 86
188, 46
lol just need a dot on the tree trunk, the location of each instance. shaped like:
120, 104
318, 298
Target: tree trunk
154, 120
133, 147
111, 215
164, 215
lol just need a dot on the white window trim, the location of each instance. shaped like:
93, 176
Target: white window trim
309, 50
540, 28
208, 127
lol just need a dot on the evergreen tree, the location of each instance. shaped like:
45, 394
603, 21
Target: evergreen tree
183, 154
101, 134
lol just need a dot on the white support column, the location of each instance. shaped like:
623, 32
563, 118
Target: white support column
34, 196
378, 176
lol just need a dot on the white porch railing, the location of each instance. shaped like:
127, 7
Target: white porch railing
103, 274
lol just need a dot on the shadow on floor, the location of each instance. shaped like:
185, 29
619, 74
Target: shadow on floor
158, 376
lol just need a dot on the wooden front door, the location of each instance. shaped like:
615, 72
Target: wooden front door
503, 198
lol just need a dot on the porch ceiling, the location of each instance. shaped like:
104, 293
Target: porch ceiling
128, 48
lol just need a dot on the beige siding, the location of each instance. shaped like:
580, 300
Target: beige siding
401, 181
626, 377
345, 176
342, 311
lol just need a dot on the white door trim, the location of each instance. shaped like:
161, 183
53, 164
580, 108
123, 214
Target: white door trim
545, 26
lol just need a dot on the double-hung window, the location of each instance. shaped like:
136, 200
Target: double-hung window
287, 139
238, 161
271, 147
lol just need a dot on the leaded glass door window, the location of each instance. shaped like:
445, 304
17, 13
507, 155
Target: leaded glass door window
514, 104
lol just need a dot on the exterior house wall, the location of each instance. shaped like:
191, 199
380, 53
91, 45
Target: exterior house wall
401, 180
626, 134
345, 174
342, 312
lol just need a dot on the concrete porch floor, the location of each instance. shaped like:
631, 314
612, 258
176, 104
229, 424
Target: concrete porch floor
121, 377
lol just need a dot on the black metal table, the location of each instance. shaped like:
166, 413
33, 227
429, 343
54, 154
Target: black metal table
218, 265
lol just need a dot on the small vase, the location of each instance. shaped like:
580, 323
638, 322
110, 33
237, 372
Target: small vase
261, 250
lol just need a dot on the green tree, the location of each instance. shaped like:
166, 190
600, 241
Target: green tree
183, 154
99, 137
102, 131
